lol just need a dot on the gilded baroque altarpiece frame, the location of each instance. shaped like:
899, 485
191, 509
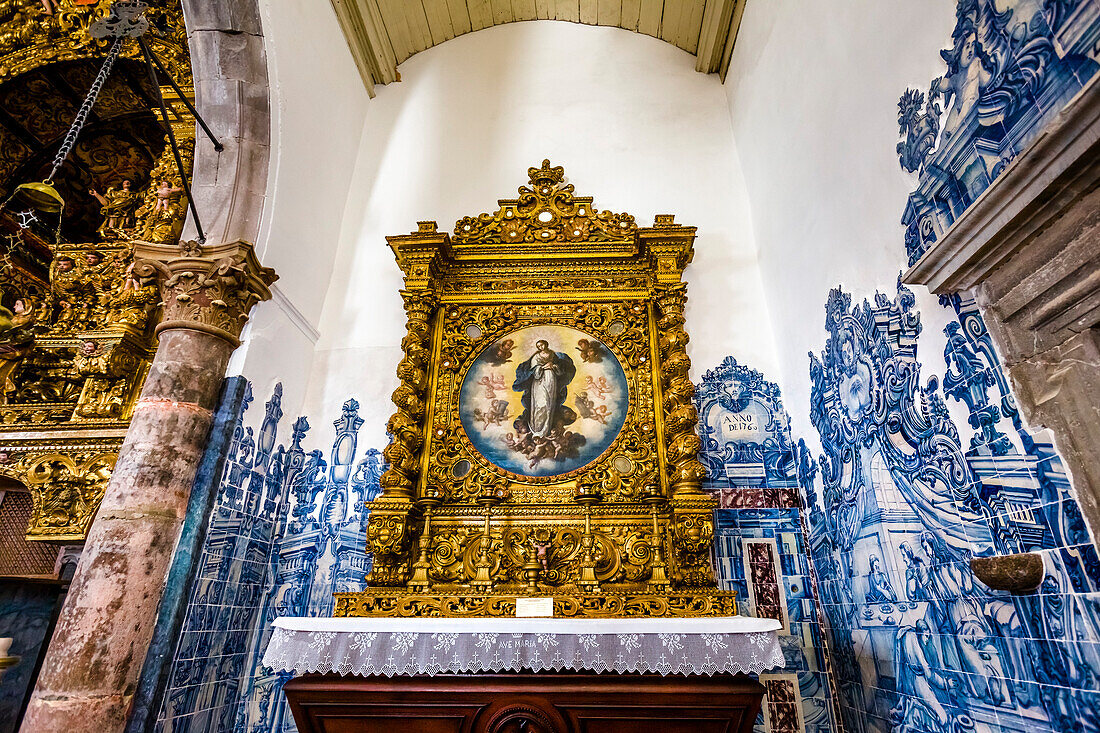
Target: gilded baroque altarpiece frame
75, 353
522, 483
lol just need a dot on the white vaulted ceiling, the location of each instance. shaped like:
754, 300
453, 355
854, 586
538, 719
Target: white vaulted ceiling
383, 33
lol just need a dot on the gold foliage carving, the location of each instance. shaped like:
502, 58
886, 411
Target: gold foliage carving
602, 605
77, 318
66, 488
34, 33
546, 211
626, 531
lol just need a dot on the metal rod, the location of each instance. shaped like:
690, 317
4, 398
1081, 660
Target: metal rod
202, 123
172, 140
85, 107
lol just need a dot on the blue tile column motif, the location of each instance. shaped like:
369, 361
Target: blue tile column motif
286, 532
760, 543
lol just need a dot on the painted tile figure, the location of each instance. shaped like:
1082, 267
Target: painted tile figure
904, 507
560, 413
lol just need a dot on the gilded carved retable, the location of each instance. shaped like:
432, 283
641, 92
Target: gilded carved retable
544, 443
77, 317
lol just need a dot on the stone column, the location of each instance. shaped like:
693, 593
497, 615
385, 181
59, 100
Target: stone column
94, 660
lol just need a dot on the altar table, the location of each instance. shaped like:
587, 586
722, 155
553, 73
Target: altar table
530, 675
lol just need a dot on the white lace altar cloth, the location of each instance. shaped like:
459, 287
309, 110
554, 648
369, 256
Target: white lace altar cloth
408, 646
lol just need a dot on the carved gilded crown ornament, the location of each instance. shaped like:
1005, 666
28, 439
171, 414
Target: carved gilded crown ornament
544, 443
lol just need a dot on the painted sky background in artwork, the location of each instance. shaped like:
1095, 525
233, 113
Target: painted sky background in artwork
489, 439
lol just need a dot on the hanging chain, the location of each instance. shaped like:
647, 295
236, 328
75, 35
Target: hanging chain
85, 108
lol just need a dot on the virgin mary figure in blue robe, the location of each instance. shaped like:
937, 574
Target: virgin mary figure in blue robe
544, 381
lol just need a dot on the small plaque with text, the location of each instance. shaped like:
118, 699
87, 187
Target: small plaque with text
534, 607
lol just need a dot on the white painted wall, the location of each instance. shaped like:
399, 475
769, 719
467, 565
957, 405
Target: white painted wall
632, 122
813, 91
318, 106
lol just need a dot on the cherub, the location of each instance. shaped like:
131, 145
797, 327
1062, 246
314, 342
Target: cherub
495, 415
591, 351
21, 313
542, 449
586, 408
599, 387
500, 352
492, 383
542, 554
165, 192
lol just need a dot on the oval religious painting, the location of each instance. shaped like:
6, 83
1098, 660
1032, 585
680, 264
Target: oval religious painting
544, 400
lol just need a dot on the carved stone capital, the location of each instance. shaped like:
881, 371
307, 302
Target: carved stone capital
208, 288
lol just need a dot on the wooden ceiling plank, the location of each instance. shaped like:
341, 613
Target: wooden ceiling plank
439, 21
712, 34
383, 50
649, 17
481, 14
670, 20
631, 13
460, 16
523, 10
689, 29
731, 38
544, 9
421, 35
609, 12
567, 10
502, 11
678, 38
590, 11
368, 41
393, 15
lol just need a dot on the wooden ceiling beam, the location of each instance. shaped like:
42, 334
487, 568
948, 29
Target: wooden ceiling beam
369, 41
383, 33
716, 34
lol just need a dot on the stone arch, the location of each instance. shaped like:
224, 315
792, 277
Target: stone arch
229, 61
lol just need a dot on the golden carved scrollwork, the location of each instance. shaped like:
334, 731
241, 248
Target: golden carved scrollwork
34, 33
66, 487
471, 605
623, 531
77, 317
546, 211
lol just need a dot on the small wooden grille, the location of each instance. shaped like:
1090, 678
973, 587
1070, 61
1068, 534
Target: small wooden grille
17, 556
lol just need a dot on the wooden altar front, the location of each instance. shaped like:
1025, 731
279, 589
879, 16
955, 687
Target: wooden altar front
528, 703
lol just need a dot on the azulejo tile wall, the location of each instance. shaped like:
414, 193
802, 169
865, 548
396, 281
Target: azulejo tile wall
903, 501
286, 532
760, 545
918, 642
1011, 66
